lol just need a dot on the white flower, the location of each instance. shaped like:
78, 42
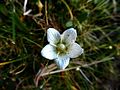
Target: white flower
61, 47
24, 8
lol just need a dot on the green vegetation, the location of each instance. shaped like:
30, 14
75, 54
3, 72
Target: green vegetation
22, 38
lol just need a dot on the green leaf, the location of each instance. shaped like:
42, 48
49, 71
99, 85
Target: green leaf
69, 24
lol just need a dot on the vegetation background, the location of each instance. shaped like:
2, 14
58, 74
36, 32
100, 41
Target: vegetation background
23, 36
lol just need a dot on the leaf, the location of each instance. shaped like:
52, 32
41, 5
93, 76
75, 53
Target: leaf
69, 24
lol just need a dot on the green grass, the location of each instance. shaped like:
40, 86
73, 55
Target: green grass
23, 37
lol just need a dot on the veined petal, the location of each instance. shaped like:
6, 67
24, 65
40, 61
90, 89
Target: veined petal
75, 50
69, 36
53, 36
62, 61
49, 52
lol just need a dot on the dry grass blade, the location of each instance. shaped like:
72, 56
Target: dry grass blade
42, 71
84, 65
85, 76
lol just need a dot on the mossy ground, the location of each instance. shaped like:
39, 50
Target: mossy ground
22, 38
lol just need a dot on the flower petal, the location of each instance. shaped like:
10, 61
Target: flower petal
69, 36
62, 61
53, 36
75, 50
49, 52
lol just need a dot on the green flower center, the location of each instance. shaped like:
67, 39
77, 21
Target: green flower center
62, 46
61, 49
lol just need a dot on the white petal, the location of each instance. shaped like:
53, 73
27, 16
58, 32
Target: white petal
62, 61
49, 52
69, 36
75, 50
53, 36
